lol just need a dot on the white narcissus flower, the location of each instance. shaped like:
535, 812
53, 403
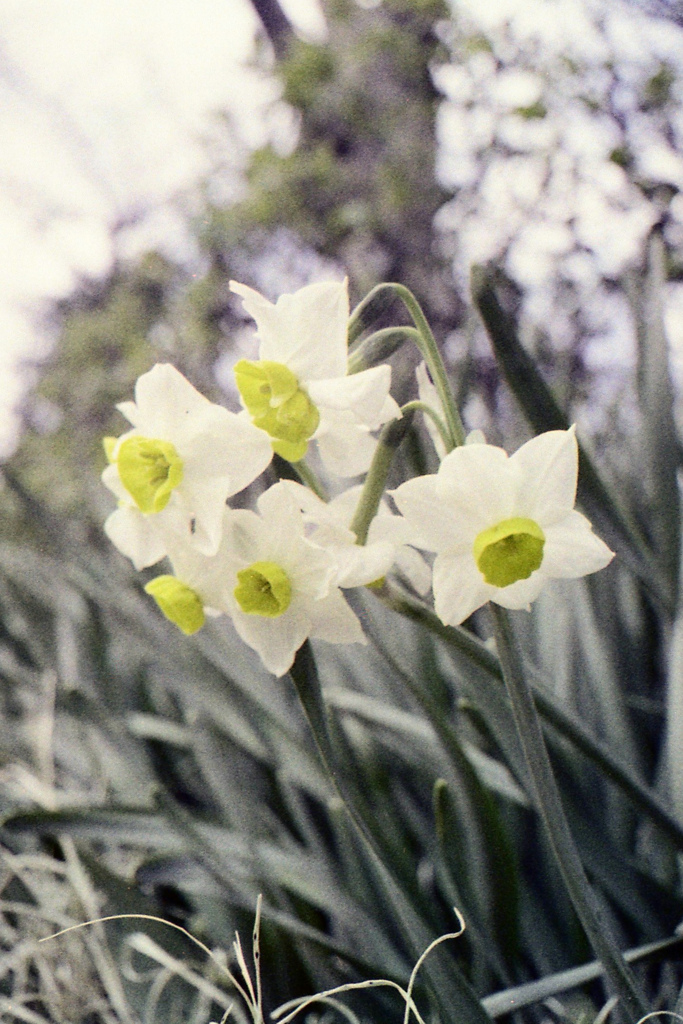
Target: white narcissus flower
299, 389
278, 587
501, 526
387, 543
195, 589
174, 471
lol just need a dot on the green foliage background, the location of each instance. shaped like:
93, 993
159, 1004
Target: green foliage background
147, 773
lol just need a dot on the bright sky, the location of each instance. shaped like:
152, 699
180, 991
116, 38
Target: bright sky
104, 105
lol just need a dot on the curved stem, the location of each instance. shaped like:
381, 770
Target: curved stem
428, 348
375, 481
557, 829
432, 356
309, 478
427, 409
368, 310
379, 346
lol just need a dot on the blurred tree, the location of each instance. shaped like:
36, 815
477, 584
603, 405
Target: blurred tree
412, 142
562, 153
357, 191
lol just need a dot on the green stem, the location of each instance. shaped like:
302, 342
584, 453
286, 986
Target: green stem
423, 407
371, 308
453, 996
426, 343
432, 357
390, 438
309, 479
557, 830
379, 346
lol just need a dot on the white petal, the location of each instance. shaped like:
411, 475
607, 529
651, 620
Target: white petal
359, 565
281, 501
313, 572
242, 538
112, 480
330, 534
205, 575
129, 410
387, 526
282, 530
308, 502
333, 621
307, 331
478, 486
135, 536
356, 565
228, 447
276, 641
520, 594
572, 549
365, 394
548, 466
202, 506
459, 588
431, 522
345, 503
345, 446
396, 531
165, 402
277, 535
391, 410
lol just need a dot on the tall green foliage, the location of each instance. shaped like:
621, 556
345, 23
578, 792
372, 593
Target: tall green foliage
176, 777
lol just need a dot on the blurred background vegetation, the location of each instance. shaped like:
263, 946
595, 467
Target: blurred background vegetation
144, 772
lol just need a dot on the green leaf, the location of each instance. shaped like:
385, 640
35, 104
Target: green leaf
488, 695
485, 890
658, 437
451, 993
503, 1003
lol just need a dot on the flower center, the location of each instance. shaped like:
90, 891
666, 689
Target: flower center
509, 552
149, 469
179, 603
263, 589
278, 405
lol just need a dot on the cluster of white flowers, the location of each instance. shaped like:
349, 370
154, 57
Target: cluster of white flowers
500, 527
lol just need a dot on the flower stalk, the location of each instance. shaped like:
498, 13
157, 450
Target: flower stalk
309, 479
453, 998
426, 342
375, 482
556, 826
379, 346
428, 410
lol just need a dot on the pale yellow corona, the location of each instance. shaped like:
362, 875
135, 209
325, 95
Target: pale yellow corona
150, 470
179, 602
263, 589
509, 551
278, 405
